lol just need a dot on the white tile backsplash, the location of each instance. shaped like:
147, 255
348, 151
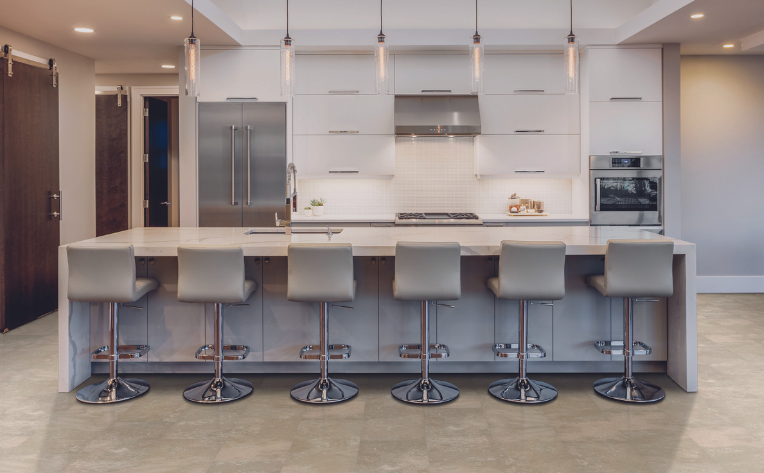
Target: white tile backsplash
433, 174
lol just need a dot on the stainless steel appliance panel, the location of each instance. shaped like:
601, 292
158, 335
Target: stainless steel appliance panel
220, 160
626, 190
264, 192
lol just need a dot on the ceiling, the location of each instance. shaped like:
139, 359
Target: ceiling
137, 36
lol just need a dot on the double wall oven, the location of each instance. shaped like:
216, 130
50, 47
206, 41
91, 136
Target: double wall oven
626, 190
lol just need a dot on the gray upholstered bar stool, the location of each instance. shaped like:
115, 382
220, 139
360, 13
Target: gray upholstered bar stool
528, 271
635, 270
106, 273
426, 272
215, 275
322, 273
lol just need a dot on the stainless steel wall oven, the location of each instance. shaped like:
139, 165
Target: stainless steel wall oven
626, 190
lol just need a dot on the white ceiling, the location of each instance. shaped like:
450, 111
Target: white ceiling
137, 36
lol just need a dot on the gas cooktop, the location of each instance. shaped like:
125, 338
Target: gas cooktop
437, 218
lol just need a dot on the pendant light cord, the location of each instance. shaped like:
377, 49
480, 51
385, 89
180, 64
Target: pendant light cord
476, 14
571, 17
288, 18
192, 19
380, 17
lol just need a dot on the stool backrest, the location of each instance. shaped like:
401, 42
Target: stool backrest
101, 273
428, 271
211, 274
320, 272
639, 268
532, 270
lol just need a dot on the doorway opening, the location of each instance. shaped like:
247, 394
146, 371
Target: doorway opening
160, 161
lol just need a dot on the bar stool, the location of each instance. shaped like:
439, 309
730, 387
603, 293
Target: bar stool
635, 270
528, 271
215, 275
322, 273
426, 272
106, 273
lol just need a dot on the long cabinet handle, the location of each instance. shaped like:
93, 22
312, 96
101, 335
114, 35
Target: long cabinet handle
249, 168
625, 98
233, 165
626, 152
597, 194
530, 91
529, 131
436, 91
530, 170
343, 131
344, 91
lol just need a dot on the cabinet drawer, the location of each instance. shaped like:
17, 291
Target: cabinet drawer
530, 114
363, 115
529, 156
344, 156
341, 74
437, 74
625, 127
524, 74
240, 73
631, 74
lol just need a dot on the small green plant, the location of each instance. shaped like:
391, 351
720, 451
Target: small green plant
317, 202
307, 208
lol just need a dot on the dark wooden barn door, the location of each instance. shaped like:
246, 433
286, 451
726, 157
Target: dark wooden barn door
30, 199
111, 165
156, 149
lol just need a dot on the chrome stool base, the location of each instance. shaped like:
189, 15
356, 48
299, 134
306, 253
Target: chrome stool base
218, 390
318, 391
522, 391
629, 390
113, 390
425, 391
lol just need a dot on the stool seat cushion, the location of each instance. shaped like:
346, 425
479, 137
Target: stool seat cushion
427, 271
249, 288
598, 283
530, 270
493, 285
212, 274
320, 272
636, 268
144, 286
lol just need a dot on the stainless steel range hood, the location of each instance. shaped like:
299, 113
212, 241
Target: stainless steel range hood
438, 115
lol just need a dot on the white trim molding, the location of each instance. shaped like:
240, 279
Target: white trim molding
730, 284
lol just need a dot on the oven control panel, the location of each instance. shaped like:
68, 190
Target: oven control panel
625, 162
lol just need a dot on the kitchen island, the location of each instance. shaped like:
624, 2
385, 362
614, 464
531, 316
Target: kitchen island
275, 329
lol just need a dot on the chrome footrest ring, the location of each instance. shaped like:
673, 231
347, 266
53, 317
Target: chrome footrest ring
337, 351
437, 350
512, 350
617, 347
125, 352
230, 352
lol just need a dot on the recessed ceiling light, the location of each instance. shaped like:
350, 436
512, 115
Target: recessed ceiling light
168, 66
176, 17
729, 45
697, 15
83, 30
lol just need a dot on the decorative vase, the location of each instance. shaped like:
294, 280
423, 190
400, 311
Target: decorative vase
307, 212
318, 211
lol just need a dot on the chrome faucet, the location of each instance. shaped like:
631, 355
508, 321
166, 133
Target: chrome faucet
291, 200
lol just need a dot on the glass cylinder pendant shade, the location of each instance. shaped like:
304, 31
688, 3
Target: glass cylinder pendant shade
476, 54
380, 60
287, 67
193, 58
571, 65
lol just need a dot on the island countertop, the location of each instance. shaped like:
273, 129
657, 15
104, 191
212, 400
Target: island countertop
379, 241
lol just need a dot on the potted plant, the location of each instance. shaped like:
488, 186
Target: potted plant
318, 206
307, 211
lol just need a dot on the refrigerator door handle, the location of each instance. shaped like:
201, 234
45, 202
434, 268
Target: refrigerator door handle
233, 166
249, 169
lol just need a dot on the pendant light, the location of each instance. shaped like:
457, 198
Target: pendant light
287, 61
476, 54
193, 59
380, 59
571, 59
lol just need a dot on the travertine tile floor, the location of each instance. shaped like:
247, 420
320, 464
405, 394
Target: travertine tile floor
719, 429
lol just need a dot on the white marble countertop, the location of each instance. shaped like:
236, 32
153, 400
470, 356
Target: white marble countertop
373, 218
380, 241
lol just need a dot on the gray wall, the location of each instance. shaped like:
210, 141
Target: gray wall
722, 104
136, 80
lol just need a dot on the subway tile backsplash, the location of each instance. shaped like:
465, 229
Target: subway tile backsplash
433, 174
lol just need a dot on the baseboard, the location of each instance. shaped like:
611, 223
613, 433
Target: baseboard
730, 284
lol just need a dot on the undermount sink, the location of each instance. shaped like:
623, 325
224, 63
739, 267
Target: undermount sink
295, 230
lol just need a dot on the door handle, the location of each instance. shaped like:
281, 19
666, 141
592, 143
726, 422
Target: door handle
233, 165
60, 199
597, 195
165, 203
249, 169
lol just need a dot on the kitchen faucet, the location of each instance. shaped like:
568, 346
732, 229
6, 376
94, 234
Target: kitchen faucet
291, 200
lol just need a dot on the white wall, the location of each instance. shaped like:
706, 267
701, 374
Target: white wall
137, 80
722, 104
76, 132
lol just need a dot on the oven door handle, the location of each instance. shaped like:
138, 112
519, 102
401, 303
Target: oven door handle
597, 194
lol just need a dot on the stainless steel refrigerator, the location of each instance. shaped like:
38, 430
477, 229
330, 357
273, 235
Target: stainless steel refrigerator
242, 164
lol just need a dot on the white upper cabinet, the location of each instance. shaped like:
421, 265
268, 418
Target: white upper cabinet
342, 74
338, 156
530, 114
437, 74
625, 127
625, 74
528, 156
343, 114
240, 73
524, 74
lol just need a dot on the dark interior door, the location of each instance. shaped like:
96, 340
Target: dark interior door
29, 194
156, 148
111, 165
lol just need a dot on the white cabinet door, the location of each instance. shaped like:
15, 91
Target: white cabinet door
337, 156
240, 73
529, 156
530, 114
343, 74
524, 74
632, 74
363, 115
626, 127
439, 74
